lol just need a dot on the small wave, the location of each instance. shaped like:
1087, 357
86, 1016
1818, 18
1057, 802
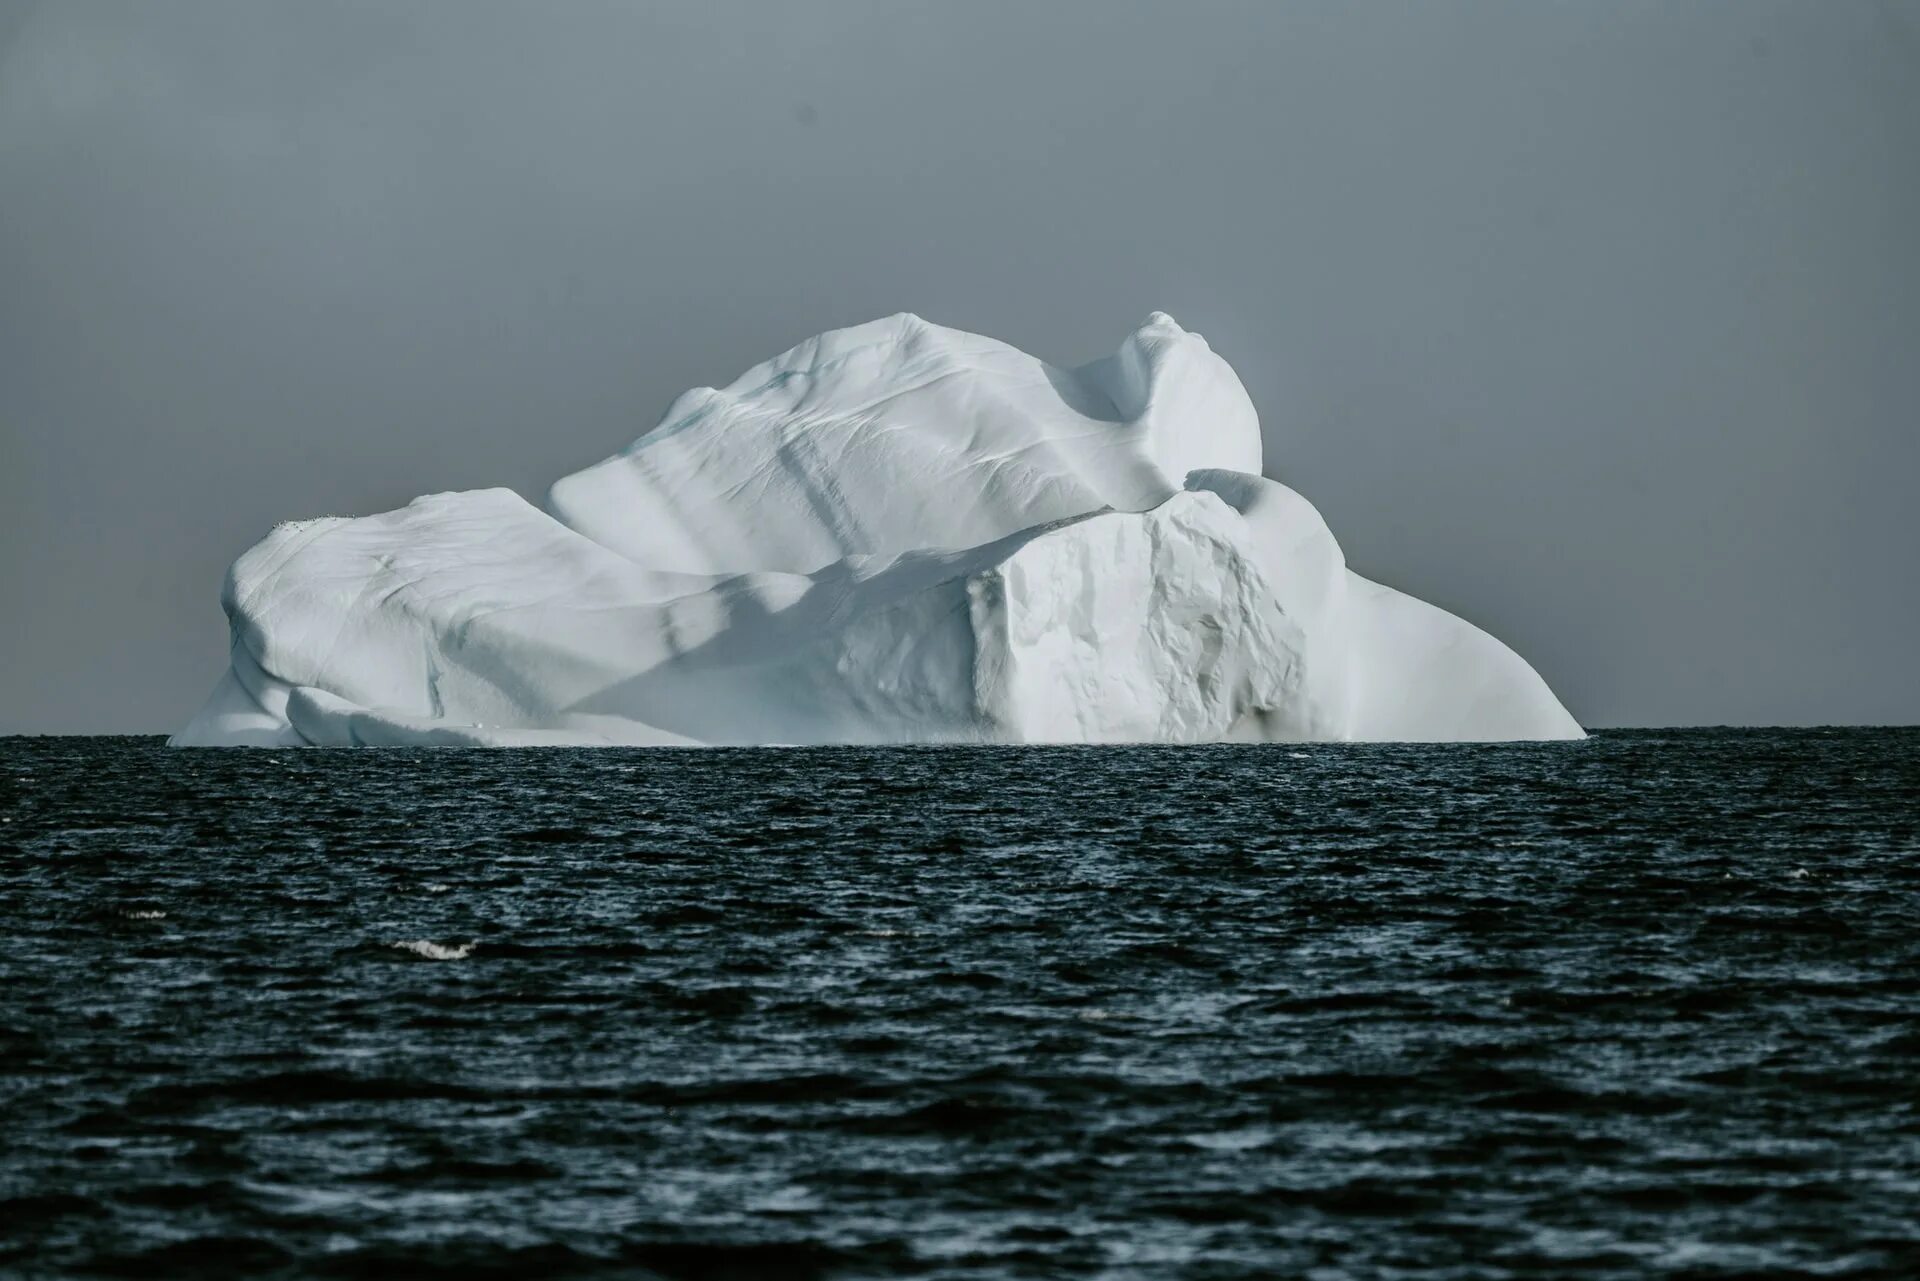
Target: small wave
432, 951
436, 887
145, 916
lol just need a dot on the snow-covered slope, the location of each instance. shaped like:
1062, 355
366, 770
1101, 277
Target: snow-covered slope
891, 533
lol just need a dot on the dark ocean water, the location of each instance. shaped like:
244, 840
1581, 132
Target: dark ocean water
1643, 1006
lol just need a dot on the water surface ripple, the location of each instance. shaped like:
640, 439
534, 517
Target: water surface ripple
1643, 1006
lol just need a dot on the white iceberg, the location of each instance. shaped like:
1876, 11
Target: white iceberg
891, 533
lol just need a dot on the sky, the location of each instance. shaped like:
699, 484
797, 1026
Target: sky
1596, 323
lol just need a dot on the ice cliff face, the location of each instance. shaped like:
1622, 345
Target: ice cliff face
891, 533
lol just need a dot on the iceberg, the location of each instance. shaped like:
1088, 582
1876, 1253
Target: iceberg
894, 533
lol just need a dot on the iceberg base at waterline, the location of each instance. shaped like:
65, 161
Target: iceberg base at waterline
895, 533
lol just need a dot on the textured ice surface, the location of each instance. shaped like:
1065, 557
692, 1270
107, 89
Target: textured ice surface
891, 533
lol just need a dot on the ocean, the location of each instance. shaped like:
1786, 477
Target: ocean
1642, 1006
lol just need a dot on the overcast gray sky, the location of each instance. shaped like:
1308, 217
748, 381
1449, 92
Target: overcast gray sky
1598, 323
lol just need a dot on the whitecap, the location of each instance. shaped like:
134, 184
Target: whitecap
436, 951
145, 916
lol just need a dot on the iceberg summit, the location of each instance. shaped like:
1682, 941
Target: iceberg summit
895, 533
